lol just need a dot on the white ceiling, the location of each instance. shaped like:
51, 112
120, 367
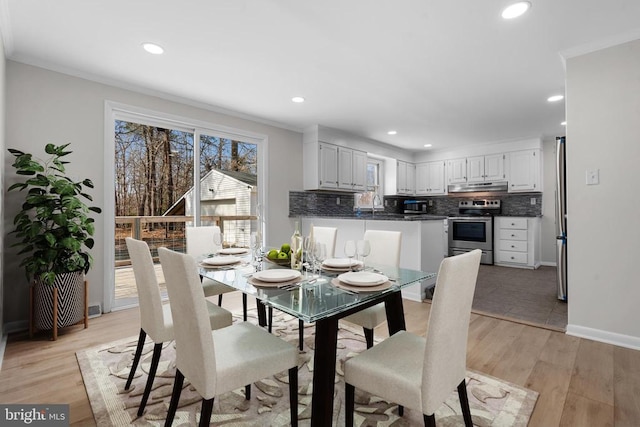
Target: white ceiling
444, 72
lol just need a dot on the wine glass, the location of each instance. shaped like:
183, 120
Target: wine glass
350, 250
256, 244
363, 247
320, 254
218, 238
308, 245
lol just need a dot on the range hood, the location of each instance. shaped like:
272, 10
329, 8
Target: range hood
478, 186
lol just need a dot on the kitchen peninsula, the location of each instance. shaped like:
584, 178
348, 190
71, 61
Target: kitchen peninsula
423, 247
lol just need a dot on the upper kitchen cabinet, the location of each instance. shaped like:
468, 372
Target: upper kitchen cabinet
525, 171
430, 178
405, 177
352, 169
320, 165
486, 168
457, 171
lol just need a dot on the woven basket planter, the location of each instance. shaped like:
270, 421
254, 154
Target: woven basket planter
59, 305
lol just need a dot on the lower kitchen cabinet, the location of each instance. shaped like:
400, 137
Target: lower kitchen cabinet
517, 241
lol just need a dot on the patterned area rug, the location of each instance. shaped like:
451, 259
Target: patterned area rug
105, 369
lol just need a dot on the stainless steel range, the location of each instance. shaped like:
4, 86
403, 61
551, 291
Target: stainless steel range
473, 228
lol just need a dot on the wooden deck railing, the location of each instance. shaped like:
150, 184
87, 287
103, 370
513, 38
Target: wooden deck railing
168, 231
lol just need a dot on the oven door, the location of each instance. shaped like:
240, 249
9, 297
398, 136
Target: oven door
471, 233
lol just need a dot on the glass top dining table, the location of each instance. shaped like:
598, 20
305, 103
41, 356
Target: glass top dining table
315, 299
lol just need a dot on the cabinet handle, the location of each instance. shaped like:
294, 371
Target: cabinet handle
512, 246
513, 224
513, 235
512, 258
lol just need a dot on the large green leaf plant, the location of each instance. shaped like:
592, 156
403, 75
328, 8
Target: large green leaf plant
53, 227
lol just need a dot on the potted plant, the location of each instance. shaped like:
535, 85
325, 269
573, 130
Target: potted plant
54, 230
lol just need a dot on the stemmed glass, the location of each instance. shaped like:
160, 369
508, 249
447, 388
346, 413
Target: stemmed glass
308, 247
256, 246
217, 240
350, 250
320, 254
363, 248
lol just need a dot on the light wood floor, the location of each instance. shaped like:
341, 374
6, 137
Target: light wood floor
581, 382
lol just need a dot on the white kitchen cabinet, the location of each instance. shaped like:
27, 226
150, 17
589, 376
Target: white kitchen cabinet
517, 242
457, 171
486, 168
352, 169
430, 178
320, 161
525, 171
405, 177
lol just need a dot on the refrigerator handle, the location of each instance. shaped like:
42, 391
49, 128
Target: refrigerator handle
560, 187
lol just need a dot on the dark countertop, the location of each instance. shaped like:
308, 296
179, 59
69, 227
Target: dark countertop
383, 217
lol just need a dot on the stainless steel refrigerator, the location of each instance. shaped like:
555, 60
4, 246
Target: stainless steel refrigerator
561, 217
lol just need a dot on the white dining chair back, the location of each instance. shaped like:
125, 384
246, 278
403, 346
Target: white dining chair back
326, 235
439, 360
385, 247
200, 240
155, 318
445, 357
385, 250
223, 360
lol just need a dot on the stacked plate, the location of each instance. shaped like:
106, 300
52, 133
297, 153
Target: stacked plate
362, 281
220, 261
233, 251
341, 264
274, 277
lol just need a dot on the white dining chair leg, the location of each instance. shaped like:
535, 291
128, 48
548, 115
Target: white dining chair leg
175, 398
157, 351
136, 358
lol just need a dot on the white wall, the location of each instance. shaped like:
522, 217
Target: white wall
45, 106
603, 132
2, 186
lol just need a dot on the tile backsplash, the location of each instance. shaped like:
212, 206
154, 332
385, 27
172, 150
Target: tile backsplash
313, 203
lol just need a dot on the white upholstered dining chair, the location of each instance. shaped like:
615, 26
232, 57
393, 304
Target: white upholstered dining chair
223, 360
326, 235
200, 241
385, 250
155, 317
417, 372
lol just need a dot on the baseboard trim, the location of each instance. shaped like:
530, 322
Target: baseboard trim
548, 263
16, 326
614, 338
3, 346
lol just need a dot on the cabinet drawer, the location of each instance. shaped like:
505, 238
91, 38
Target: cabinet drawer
513, 223
513, 245
514, 257
513, 234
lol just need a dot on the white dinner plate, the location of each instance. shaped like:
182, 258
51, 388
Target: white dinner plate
221, 260
363, 278
233, 251
340, 262
276, 275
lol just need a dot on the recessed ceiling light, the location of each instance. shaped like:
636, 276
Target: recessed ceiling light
427, 145
392, 132
297, 99
555, 98
563, 123
515, 10
153, 48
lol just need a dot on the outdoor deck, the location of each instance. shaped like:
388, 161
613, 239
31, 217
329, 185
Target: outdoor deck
126, 282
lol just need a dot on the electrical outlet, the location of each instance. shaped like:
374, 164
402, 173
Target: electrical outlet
533, 201
337, 200
593, 177
430, 202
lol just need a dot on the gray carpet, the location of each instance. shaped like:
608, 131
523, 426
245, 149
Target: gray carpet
521, 294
